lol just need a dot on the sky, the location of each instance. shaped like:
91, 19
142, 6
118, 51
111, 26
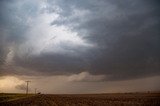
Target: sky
80, 46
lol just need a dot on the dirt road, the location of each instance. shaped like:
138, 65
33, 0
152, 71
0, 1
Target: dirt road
88, 100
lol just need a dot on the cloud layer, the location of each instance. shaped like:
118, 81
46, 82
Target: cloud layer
119, 39
60, 84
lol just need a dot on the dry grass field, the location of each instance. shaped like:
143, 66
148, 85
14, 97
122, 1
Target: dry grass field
115, 99
6, 97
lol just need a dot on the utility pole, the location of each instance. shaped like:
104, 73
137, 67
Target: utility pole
35, 90
27, 86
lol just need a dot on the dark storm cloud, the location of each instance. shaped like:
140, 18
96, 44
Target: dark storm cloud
9, 21
126, 34
12, 26
12, 21
54, 64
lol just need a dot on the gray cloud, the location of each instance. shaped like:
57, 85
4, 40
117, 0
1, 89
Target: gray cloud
127, 34
116, 38
85, 76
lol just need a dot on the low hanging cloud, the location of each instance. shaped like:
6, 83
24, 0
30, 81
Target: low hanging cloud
86, 76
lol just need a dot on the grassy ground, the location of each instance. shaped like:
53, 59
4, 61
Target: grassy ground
5, 97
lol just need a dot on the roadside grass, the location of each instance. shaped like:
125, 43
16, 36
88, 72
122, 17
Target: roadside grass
5, 97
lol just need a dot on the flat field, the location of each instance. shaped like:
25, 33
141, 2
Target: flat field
111, 99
